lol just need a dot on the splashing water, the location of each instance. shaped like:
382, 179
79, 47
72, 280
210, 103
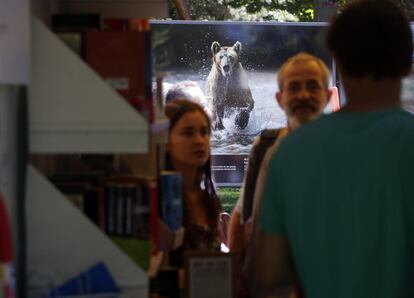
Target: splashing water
266, 112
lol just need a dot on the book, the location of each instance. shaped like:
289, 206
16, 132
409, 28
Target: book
128, 206
120, 210
140, 212
95, 281
120, 205
111, 192
129, 200
171, 199
131, 195
154, 216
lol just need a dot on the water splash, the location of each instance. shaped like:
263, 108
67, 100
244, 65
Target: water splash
266, 113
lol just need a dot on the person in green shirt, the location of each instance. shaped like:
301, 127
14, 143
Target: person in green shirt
337, 212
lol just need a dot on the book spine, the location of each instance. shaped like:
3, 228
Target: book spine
119, 212
141, 212
100, 205
130, 195
171, 199
110, 208
135, 221
154, 216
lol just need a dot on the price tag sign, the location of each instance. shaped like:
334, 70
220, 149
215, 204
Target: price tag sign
209, 275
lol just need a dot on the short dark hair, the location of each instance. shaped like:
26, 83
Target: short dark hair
371, 38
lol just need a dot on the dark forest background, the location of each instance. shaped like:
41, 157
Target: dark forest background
186, 45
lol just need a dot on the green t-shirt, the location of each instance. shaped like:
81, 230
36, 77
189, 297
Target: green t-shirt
341, 189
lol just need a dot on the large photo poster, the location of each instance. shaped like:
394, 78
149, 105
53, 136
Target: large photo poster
234, 65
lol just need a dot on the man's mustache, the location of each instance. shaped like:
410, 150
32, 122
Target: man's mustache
304, 104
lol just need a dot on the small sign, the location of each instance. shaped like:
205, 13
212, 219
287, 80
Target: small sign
229, 170
121, 83
209, 274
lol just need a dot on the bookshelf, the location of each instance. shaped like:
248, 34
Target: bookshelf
73, 111
62, 242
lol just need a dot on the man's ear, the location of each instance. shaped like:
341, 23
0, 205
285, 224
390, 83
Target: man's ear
278, 97
329, 94
333, 97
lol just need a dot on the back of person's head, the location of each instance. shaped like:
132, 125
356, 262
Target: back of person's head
189, 90
371, 38
185, 90
300, 58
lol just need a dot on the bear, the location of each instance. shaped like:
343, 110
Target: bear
227, 86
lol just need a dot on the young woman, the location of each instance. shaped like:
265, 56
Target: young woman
188, 152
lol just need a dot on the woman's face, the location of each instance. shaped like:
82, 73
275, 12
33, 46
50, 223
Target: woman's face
189, 140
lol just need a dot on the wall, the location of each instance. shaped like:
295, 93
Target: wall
107, 8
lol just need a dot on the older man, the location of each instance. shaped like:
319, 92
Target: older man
303, 94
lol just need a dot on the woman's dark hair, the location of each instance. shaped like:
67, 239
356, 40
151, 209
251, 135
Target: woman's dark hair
371, 38
174, 110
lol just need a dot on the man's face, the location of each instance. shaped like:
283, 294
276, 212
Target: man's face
304, 95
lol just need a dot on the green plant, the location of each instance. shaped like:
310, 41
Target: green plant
228, 197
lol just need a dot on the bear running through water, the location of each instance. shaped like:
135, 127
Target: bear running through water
227, 86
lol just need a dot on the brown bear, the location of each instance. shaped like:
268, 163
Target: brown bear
227, 87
